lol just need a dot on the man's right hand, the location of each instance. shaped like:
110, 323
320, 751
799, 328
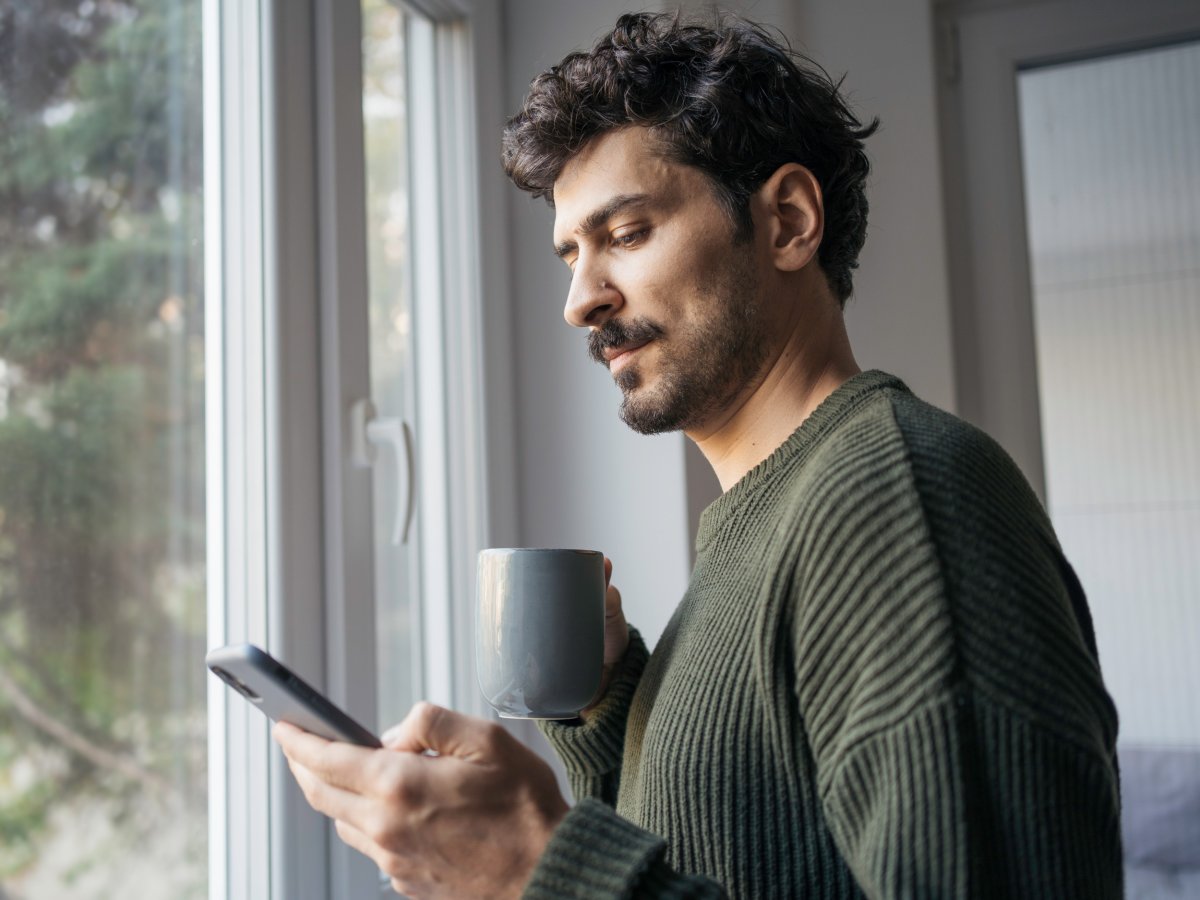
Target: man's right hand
616, 635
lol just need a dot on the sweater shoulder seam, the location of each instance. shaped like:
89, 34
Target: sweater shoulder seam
963, 694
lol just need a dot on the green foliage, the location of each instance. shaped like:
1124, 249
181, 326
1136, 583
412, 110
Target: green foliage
64, 300
20, 818
101, 399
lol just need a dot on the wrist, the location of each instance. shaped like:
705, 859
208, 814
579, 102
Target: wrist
548, 814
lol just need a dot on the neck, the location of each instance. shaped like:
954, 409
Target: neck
810, 365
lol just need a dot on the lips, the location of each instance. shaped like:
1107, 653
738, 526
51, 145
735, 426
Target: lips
617, 340
613, 353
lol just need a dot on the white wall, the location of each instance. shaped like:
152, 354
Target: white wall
899, 316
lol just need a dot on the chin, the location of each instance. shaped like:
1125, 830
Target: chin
645, 425
645, 416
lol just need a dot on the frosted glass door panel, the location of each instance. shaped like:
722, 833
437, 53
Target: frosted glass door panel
1111, 154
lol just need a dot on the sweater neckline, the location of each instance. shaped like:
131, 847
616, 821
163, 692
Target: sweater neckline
847, 397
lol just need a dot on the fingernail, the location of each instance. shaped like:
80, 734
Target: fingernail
391, 735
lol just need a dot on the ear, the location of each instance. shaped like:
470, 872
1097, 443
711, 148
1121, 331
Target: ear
793, 211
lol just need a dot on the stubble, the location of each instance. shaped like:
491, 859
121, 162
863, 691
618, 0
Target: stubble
702, 366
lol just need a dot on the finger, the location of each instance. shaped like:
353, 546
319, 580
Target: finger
354, 837
331, 800
447, 733
612, 603
295, 741
607, 571
390, 864
335, 762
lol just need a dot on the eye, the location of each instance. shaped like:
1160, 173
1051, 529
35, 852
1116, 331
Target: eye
630, 238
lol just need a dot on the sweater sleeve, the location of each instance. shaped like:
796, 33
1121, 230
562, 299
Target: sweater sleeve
591, 750
594, 854
962, 736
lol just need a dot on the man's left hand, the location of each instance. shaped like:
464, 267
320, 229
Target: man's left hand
452, 806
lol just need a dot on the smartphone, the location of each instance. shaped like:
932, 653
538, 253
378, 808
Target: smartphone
283, 695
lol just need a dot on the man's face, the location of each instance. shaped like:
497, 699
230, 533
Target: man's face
672, 302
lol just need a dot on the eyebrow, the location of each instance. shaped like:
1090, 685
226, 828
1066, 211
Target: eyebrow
598, 217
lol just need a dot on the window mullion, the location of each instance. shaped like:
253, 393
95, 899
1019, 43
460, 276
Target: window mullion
299, 839
214, 363
237, 574
265, 562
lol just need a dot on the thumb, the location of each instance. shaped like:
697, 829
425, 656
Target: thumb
435, 730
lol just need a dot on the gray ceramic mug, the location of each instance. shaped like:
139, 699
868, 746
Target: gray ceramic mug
539, 630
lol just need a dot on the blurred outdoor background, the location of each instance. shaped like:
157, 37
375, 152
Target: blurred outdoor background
103, 787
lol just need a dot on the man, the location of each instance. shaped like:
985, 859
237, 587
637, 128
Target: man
882, 679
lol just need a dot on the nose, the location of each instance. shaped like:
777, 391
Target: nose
592, 299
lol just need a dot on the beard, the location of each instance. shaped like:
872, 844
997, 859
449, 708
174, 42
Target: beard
702, 367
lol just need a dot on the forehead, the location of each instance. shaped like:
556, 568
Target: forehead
622, 162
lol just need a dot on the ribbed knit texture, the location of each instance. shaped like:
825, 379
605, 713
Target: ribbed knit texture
882, 681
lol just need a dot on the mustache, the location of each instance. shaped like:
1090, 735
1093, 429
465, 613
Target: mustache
619, 333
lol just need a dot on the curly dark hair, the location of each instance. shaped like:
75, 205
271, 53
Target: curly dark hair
727, 97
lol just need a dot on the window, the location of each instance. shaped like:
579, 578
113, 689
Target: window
103, 779
424, 356
181, 376
339, 523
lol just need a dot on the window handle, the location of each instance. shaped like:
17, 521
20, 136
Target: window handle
367, 434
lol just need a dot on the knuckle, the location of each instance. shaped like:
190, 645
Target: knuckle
400, 785
395, 786
425, 716
392, 866
494, 736
425, 711
407, 792
382, 832
434, 716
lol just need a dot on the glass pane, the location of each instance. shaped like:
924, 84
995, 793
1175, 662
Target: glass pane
1112, 166
103, 789
386, 134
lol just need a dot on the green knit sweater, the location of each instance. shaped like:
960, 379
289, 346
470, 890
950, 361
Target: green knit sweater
881, 681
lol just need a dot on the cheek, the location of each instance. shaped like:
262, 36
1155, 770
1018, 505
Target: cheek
669, 290
696, 296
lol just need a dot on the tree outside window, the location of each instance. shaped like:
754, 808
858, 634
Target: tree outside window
102, 586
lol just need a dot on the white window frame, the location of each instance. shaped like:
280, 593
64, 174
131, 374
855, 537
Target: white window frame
289, 514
